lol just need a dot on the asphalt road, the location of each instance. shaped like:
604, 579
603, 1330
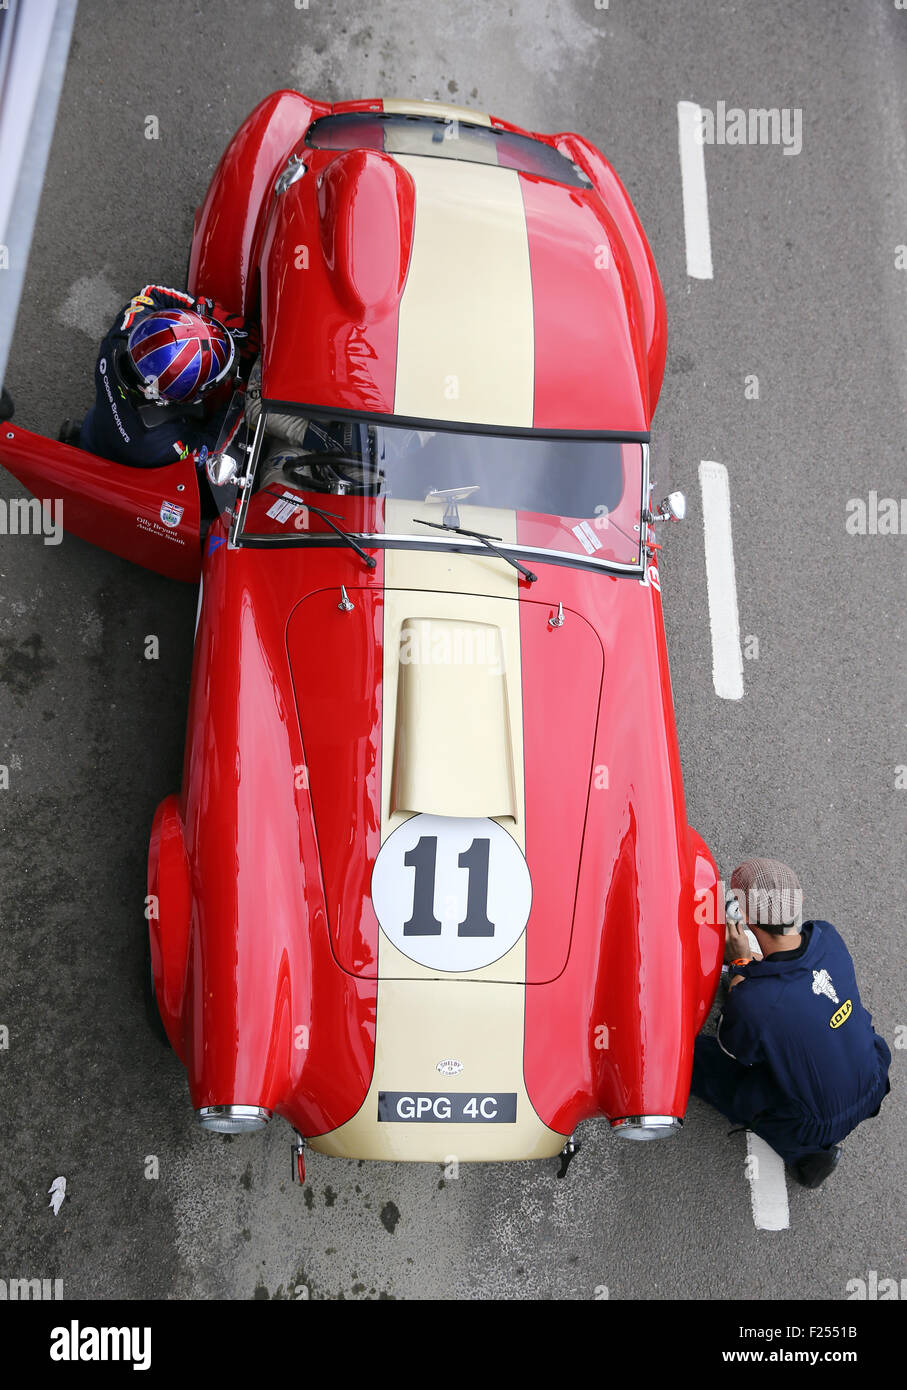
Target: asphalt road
807, 296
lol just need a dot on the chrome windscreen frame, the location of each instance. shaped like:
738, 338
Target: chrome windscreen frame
245, 483
384, 540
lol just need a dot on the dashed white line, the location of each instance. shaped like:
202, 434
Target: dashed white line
768, 1185
695, 193
727, 658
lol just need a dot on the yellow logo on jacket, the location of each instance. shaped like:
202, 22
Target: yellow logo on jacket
842, 1015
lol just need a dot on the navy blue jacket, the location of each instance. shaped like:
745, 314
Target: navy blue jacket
122, 425
800, 1027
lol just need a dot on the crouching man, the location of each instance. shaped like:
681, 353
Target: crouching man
796, 1058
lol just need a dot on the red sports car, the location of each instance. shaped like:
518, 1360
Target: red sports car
428, 889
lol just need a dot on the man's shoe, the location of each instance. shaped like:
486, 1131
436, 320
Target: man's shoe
69, 432
815, 1168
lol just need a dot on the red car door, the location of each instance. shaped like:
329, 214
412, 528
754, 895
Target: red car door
151, 516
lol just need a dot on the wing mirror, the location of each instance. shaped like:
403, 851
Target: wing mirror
222, 470
673, 508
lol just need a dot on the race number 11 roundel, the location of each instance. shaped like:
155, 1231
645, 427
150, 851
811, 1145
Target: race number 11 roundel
452, 893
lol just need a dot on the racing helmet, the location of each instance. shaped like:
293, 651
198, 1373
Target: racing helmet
178, 354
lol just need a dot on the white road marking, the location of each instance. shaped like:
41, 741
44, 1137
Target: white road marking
768, 1185
695, 193
727, 658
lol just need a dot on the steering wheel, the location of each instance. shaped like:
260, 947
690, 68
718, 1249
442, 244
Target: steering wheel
321, 472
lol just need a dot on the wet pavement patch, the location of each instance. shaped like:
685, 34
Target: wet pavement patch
22, 664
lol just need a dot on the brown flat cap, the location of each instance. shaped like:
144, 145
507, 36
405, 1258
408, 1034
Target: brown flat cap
771, 894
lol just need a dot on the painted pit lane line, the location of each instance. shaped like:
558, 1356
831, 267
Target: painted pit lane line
765, 1169
727, 658
768, 1185
695, 191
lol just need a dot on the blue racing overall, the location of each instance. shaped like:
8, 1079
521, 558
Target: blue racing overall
796, 1058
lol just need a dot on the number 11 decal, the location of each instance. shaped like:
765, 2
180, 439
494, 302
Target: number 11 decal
451, 892
475, 860
423, 857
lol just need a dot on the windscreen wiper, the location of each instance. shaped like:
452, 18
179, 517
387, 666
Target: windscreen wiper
486, 541
327, 516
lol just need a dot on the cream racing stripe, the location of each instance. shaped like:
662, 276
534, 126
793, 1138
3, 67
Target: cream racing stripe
465, 347
474, 1020
398, 106
453, 675
418, 1024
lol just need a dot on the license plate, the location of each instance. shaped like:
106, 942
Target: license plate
447, 1107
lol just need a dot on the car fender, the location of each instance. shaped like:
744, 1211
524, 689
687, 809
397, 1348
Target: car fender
708, 917
617, 201
169, 909
229, 225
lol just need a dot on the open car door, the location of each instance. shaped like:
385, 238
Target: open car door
151, 516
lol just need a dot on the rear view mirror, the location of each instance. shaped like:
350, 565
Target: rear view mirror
674, 507
221, 470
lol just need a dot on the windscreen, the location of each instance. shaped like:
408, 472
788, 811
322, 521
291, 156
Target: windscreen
576, 497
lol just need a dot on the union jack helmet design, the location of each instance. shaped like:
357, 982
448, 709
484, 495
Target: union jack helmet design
178, 354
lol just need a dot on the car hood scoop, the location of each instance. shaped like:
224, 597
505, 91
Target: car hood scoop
453, 746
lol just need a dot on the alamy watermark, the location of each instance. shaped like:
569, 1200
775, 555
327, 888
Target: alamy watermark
27, 1290
876, 516
442, 644
776, 905
732, 125
25, 516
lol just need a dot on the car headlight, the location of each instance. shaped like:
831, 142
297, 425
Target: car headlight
233, 1119
646, 1126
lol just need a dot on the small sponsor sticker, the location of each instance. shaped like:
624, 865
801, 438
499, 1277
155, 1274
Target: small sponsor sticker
823, 984
842, 1015
587, 538
285, 507
451, 1107
171, 514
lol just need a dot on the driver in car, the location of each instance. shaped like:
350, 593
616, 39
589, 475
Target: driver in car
157, 378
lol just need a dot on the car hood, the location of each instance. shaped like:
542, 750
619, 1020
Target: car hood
448, 741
